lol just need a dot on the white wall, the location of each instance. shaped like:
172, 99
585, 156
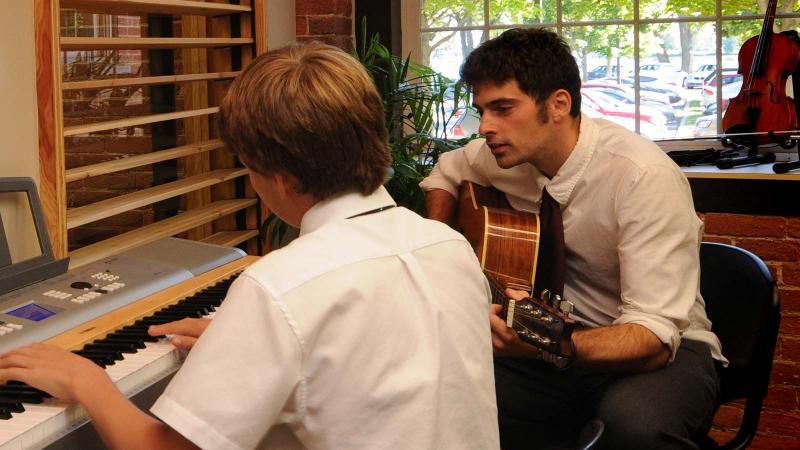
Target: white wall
19, 147
280, 23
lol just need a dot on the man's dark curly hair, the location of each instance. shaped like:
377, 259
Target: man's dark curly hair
537, 58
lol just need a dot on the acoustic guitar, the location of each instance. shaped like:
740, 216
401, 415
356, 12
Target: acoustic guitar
506, 242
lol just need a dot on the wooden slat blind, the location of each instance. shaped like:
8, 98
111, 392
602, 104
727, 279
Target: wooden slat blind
131, 102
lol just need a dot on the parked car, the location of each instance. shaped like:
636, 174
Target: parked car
731, 85
602, 72
651, 84
665, 73
465, 123
698, 76
648, 107
706, 125
627, 90
595, 104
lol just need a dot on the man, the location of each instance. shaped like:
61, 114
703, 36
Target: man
644, 355
366, 332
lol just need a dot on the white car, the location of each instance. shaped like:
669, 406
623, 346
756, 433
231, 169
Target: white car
665, 73
698, 76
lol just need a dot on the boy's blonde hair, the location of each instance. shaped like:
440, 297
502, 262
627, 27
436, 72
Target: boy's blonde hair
312, 111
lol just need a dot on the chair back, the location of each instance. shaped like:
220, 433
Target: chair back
743, 305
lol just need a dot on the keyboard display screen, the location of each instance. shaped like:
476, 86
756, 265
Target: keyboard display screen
31, 311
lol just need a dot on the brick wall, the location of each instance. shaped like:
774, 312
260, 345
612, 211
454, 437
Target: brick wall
96, 105
329, 21
777, 241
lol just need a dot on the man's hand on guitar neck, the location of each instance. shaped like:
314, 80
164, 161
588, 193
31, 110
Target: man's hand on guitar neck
505, 340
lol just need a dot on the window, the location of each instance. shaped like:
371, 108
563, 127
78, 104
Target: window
130, 150
662, 48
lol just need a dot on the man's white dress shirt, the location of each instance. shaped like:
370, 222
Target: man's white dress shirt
631, 233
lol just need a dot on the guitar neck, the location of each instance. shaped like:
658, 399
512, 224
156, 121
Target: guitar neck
498, 296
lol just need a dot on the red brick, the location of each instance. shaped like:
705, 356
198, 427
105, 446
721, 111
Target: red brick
781, 398
772, 249
771, 442
720, 239
344, 7
314, 7
84, 197
82, 236
787, 374
742, 225
301, 26
790, 325
790, 274
793, 227
330, 25
128, 219
785, 424
790, 300
775, 269
94, 158
143, 180
728, 417
343, 42
84, 144
114, 181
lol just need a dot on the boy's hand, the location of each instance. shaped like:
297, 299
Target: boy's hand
184, 332
58, 372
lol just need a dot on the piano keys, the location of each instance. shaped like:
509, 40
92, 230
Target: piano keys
112, 340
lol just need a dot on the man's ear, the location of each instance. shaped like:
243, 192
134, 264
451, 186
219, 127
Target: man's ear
560, 104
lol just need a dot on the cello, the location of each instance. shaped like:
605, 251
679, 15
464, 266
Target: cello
762, 105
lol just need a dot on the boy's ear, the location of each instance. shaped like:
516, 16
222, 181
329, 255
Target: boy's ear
287, 184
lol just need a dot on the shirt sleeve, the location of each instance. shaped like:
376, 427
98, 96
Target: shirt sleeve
456, 166
658, 253
242, 376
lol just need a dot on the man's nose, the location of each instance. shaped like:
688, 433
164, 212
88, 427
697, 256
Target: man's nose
487, 126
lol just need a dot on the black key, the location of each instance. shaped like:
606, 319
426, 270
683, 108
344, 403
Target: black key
11, 404
5, 414
101, 360
142, 335
26, 396
111, 354
137, 343
120, 347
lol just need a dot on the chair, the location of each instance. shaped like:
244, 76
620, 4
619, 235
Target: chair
590, 435
743, 305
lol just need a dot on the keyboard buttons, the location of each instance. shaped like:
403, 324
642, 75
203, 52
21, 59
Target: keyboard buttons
107, 277
113, 286
57, 294
6, 328
83, 298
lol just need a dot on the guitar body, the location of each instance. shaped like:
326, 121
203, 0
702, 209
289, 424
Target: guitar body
506, 241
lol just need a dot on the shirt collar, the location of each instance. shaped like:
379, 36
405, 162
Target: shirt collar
561, 185
341, 207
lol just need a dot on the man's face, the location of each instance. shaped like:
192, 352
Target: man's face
516, 127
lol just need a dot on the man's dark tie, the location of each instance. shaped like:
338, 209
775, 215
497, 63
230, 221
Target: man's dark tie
550, 264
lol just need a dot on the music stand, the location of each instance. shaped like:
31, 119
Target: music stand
753, 157
31, 264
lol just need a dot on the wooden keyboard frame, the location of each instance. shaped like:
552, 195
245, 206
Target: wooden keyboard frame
100, 327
